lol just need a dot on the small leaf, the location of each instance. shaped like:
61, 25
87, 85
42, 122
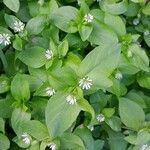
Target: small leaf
36, 25
114, 122
86, 137
147, 39
85, 31
6, 107
12, 4
4, 84
140, 58
108, 112
146, 9
64, 18
4, 142
71, 141
102, 34
18, 91
85, 106
142, 137
143, 80
63, 48
19, 117
36, 129
114, 8
2, 125
33, 57
116, 23
131, 118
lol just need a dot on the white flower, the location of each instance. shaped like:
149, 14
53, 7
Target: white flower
18, 26
85, 83
88, 18
71, 99
4, 39
26, 138
52, 146
145, 147
50, 91
136, 21
146, 33
129, 54
100, 118
49, 54
118, 76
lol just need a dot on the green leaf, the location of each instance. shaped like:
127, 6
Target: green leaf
126, 67
63, 48
86, 137
102, 34
99, 100
116, 23
12, 4
114, 122
116, 140
4, 84
143, 80
6, 107
18, 91
108, 112
64, 18
138, 1
36, 129
33, 57
72, 61
118, 88
146, 9
100, 58
85, 31
38, 106
36, 25
98, 144
59, 114
139, 59
35, 146
98, 65
131, 138
85, 106
17, 43
10, 20
19, 117
143, 137
62, 78
4, 142
52, 7
114, 8
147, 39
132, 9
131, 118
137, 97
2, 125
71, 141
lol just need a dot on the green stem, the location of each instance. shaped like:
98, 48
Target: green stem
4, 61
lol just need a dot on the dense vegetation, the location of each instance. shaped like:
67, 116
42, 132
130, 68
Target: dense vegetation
75, 74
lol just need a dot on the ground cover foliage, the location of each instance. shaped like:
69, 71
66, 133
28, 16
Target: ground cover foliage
74, 74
